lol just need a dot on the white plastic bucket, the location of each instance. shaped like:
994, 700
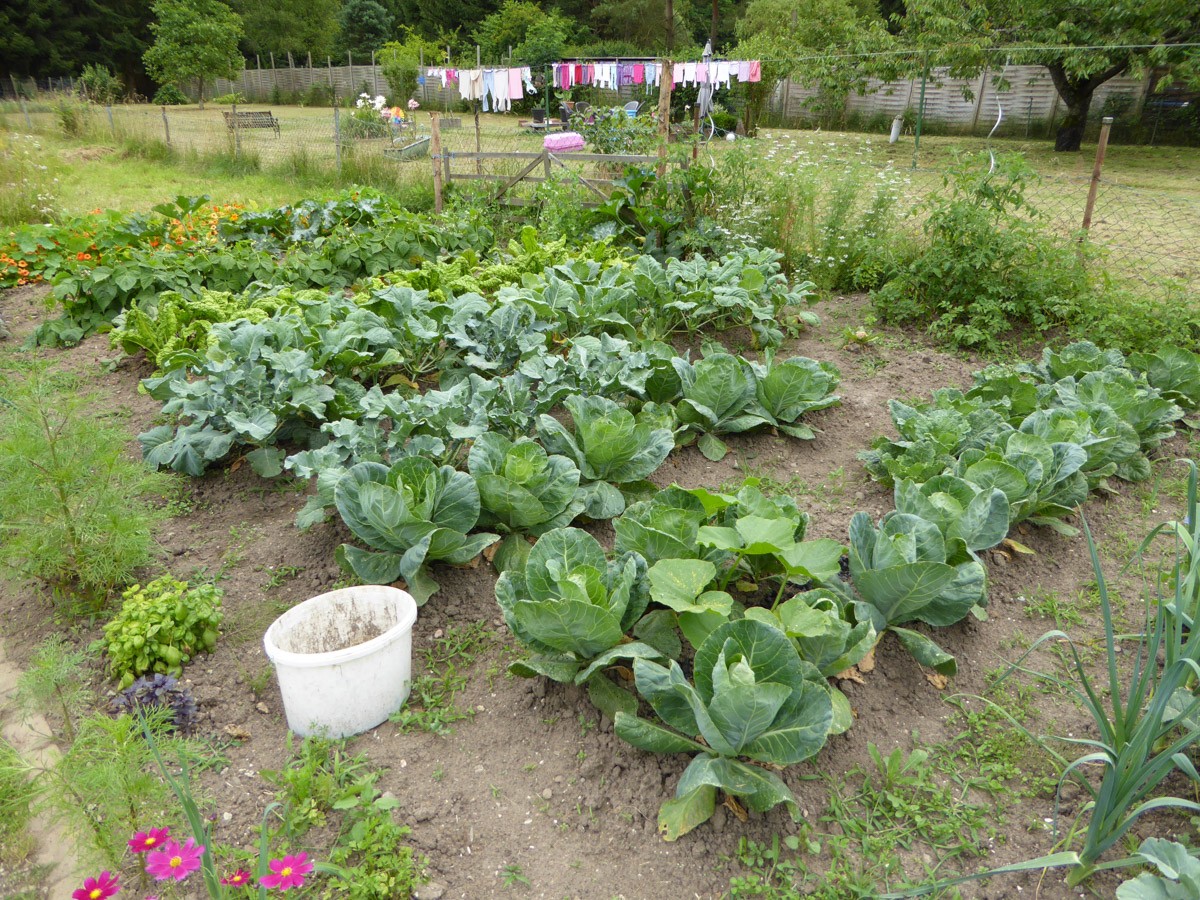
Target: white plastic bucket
343, 659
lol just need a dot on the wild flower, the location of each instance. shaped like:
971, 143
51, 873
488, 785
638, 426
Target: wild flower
288, 872
240, 877
99, 888
145, 841
174, 861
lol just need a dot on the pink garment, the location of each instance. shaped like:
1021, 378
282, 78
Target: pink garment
589, 73
702, 73
676, 74
755, 70
639, 73
514, 85
578, 73
743, 70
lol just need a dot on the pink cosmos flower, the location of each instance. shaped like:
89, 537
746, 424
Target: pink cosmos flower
287, 873
174, 861
145, 841
97, 888
241, 876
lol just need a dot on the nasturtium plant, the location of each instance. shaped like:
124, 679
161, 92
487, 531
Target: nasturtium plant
614, 451
574, 608
752, 698
410, 515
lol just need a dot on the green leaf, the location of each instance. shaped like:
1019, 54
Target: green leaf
369, 567
712, 447
817, 560
926, 652
610, 699
562, 669
651, 736
680, 815
679, 583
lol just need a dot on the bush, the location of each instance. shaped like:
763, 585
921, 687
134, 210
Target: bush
988, 269
169, 95
160, 627
613, 131
230, 99
100, 85
72, 117
75, 507
319, 93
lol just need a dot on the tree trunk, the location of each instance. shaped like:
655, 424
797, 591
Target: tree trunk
1077, 94
201, 91
716, 15
670, 23
1070, 130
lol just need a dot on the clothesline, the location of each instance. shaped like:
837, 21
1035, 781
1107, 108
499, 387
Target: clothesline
499, 86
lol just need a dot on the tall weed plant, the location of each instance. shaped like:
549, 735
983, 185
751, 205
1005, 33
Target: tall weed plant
27, 185
987, 269
835, 217
75, 510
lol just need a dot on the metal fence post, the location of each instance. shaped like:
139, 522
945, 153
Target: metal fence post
1094, 187
337, 135
435, 153
920, 111
166, 126
237, 137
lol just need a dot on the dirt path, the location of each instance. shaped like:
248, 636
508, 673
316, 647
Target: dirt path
29, 734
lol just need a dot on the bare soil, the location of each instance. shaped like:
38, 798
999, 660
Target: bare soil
535, 778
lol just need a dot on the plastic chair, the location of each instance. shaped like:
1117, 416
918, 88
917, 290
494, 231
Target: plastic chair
631, 108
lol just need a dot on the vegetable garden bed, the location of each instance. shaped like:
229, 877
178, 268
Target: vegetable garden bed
521, 784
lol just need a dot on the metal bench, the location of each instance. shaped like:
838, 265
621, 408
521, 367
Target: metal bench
254, 119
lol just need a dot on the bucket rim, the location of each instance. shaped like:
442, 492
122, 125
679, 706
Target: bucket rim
279, 656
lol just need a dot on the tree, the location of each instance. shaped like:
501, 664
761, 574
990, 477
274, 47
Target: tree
194, 40
40, 38
365, 27
797, 39
1092, 42
280, 27
536, 37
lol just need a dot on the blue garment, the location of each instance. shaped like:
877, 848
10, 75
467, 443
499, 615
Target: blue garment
489, 85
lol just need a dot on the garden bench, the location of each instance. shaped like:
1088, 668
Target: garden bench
251, 120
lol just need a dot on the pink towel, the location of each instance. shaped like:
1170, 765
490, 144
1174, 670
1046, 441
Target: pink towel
639, 73
755, 70
514, 84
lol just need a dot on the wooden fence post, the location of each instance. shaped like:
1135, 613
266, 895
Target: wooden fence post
664, 115
435, 154
1093, 189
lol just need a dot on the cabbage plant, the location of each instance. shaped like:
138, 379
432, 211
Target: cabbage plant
522, 489
1174, 371
1043, 481
573, 608
410, 515
905, 571
611, 447
960, 509
753, 698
